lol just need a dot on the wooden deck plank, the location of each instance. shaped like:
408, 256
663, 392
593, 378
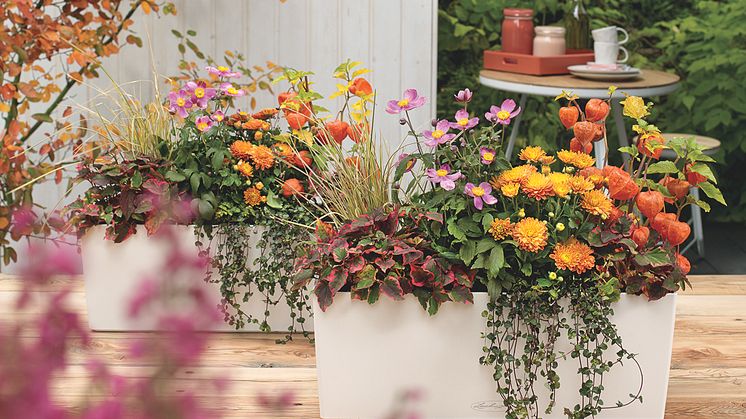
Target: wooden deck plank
708, 367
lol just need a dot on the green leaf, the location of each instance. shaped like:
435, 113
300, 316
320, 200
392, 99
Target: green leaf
174, 176
42, 117
663, 166
713, 192
485, 244
654, 258
496, 260
468, 251
456, 231
365, 278
273, 201
136, 180
217, 160
704, 170
206, 210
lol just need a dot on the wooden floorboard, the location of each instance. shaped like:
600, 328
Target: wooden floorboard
708, 367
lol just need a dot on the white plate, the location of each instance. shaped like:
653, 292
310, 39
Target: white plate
594, 73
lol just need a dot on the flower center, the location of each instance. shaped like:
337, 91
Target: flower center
199, 92
477, 191
218, 117
222, 69
180, 102
463, 121
232, 90
202, 126
487, 156
402, 103
441, 172
503, 115
437, 134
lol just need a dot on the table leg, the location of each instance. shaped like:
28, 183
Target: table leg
616, 108
516, 126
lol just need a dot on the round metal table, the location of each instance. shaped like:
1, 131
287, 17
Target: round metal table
650, 83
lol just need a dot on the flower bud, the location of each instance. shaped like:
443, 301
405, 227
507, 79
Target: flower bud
402, 121
560, 227
553, 275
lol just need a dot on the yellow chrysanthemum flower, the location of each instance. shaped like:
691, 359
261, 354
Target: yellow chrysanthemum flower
517, 174
262, 157
573, 256
510, 189
547, 160
241, 149
634, 107
500, 228
580, 184
532, 154
253, 197
560, 183
244, 168
538, 186
576, 158
530, 234
597, 203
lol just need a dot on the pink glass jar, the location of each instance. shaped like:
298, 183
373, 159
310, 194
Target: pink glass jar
518, 31
549, 41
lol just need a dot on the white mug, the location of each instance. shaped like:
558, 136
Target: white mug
608, 53
610, 34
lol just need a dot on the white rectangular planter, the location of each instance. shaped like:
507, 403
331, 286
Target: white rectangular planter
368, 355
113, 271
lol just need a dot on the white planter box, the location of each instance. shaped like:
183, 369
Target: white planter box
113, 271
367, 356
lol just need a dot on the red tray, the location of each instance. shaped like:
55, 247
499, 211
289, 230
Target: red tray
538, 66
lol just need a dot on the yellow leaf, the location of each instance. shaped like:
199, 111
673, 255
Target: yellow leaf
612, 89
360, 72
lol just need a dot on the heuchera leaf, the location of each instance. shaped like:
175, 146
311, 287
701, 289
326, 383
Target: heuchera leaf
323, 294
389, 224
461, 294
421, 277
355, 263
366, 277
391, 287
339, 253
337, 278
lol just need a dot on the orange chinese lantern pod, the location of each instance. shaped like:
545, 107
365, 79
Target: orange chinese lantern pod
676, 232
578, 147
302, 159
658, 222
693, 177
594, 174
683, 263
284, 96
338, 130
584, 131
569, 115
651, 145
677, 187
357, 132
620, 183
650, 203
291, 187
640, 236
296, 120
600, 132
361, 87
596, 110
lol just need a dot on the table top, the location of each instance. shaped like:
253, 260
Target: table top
650, 83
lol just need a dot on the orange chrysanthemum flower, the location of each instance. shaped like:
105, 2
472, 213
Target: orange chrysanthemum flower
244, 168
530, 234
510, 189
532, 154
573, 256
597, 203
547, 160
253, 197
255, 125
500, 228
262, 157
595, 175
518, 174
265, 113
560, 183
580, 185
241, 149
284, 151
538, 186
576, 158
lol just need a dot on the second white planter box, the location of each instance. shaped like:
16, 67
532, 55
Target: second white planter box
113, 272
368, 355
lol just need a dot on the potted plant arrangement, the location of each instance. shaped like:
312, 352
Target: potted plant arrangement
223, 179
565, 273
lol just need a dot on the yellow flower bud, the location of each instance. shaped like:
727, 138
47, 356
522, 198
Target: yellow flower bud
560, 227
552, 275
522, 213
259, 185
551, 215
